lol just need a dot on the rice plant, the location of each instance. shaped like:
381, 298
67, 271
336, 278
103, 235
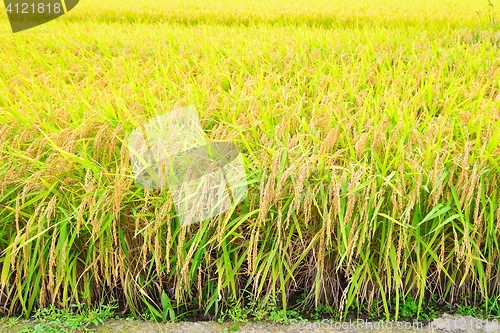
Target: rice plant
370, 134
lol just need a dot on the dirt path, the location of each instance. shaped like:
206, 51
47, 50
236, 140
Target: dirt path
446, 323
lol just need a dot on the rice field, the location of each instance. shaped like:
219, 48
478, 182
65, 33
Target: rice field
370, 134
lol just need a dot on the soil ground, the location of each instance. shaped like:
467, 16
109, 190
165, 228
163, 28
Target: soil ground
446, 323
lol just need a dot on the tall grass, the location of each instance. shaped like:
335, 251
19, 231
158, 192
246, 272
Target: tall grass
371, 152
